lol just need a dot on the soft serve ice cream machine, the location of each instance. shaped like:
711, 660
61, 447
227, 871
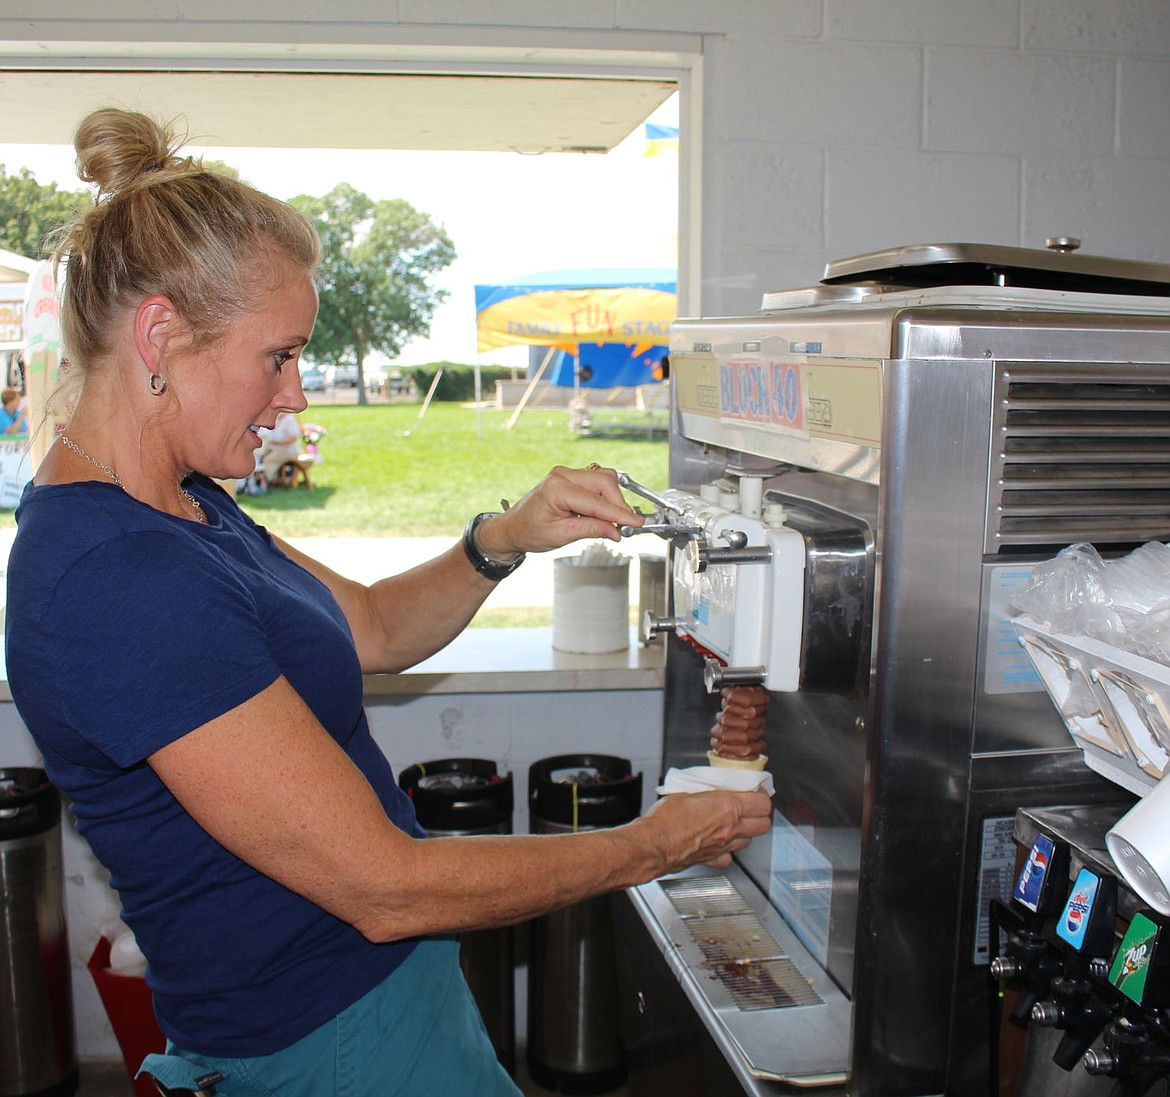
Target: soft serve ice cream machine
861, 475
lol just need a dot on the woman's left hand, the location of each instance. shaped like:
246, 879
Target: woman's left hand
567, 505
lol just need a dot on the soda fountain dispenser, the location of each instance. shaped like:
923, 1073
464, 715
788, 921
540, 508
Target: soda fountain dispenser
1079, 1005
1136, 1046
1029, 962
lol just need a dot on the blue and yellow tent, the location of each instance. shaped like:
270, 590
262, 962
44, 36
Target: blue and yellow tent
616, 322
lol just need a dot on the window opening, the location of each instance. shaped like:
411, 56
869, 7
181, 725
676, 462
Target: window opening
508, 215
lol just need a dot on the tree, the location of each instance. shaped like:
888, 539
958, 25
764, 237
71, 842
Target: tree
374, 278
29, 212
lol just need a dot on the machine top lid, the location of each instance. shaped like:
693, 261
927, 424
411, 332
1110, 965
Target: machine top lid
1056, 267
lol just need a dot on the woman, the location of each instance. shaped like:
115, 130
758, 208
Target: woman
195, 685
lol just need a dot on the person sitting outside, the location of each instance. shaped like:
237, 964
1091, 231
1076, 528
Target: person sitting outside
13, 419
280, 445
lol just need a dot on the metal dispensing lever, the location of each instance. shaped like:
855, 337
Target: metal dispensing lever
626, 481
663, 527
716, 675
700, 555
652, 625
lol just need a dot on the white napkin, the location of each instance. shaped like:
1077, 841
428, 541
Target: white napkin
705, 778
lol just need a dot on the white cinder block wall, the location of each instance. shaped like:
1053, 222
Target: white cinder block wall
836, 128
828, 128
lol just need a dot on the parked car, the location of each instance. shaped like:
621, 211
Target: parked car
342, 376
313, 380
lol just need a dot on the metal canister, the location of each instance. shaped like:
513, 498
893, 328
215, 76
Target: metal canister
37, 1044
462, 796
574, 1040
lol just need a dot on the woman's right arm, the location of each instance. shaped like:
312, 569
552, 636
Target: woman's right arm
268, 783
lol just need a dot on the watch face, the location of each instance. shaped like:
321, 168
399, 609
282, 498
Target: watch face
494, 570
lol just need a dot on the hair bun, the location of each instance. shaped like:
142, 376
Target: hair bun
115, 147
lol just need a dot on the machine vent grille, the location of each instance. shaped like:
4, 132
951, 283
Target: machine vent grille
1078, 455
737, 948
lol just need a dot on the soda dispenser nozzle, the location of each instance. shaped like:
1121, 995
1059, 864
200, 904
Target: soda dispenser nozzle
1080, 1001
1130, 1052
1081, 1010
1028, 959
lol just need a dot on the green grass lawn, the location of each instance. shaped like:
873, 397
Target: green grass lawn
386, 473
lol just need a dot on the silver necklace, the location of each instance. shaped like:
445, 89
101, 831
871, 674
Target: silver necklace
184, 494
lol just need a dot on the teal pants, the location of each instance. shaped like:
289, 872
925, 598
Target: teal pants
419, 1034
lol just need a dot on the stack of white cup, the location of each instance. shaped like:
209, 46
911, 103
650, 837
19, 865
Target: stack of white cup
591, 601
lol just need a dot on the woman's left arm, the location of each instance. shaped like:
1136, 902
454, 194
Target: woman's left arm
405, 618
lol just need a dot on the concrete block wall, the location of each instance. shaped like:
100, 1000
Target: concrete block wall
837, 128
829, 127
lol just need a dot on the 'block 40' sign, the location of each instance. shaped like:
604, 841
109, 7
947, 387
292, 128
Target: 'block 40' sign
762, 392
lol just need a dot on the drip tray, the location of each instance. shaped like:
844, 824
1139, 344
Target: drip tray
773, 1011
737, 948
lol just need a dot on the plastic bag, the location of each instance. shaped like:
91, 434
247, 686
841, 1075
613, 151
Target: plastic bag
1151, 635
1123, 602
1069, 593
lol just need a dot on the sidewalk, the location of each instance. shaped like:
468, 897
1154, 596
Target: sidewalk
371, 558
368, 559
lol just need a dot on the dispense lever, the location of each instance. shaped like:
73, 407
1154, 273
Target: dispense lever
701, 555
716, 675
662, 525
1028, 960
1132, 1050
630, 484
1080, 1002
652, 625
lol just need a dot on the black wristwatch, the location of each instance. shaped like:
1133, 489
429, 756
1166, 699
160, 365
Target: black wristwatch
495, 570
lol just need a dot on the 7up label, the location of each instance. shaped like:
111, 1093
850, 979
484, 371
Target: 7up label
1131, 965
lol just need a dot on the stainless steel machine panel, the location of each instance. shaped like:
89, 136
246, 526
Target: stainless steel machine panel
957, 435
744, 969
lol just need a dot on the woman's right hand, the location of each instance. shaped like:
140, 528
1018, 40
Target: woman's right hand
691, 828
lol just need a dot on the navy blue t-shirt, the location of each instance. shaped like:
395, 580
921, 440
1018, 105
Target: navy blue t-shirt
128, 628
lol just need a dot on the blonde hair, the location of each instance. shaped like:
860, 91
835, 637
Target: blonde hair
162, 224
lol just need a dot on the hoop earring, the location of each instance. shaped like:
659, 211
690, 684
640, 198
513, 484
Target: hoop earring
158, 384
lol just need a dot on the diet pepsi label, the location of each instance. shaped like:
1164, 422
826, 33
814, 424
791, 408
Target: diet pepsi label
1029, 887
1074, 919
